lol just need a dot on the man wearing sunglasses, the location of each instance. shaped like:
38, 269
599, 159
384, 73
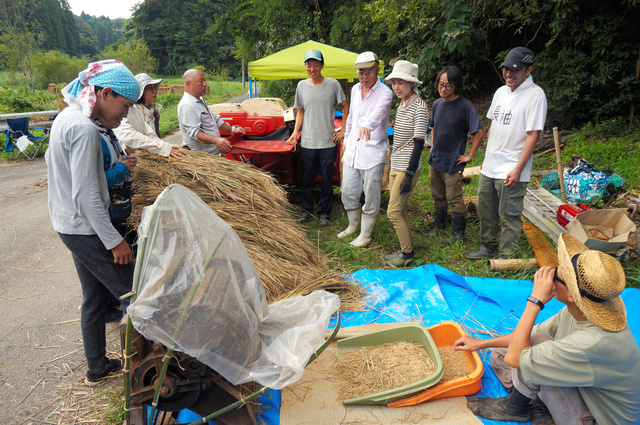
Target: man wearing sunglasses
517, 113
365, 152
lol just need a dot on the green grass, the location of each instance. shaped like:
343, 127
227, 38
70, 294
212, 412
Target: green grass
610, 145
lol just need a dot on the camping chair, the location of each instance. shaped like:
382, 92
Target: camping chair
20, 127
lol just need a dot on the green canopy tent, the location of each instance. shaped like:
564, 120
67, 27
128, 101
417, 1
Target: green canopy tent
289, 64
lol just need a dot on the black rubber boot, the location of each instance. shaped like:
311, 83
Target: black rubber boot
514, 407
440, 222
540, 415
459, 225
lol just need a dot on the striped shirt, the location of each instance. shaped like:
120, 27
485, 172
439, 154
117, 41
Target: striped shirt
411, 122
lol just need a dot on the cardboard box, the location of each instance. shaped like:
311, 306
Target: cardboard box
606, 230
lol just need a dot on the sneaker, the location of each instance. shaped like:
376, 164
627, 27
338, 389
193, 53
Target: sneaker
94, 379
305, 218
324, 220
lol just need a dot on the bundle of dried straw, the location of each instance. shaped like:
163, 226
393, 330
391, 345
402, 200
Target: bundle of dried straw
256, 207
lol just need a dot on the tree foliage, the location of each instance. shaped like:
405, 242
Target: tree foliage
134, 54
587, 51
178, 44
55, 67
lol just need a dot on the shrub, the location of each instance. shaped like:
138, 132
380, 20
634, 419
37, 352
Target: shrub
56, 67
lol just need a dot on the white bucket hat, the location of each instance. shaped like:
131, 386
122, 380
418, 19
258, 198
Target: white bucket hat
405, 70
144, 80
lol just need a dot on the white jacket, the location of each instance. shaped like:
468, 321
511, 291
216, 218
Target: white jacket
137, 131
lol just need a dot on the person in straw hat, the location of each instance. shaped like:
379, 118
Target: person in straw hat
410, 129
582, 363
99, 99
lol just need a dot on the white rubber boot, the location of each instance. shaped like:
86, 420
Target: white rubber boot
368, 223
354, 222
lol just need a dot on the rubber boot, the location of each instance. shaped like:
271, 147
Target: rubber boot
458, 224
354, 222
514, 407
366, 228
440, 222
540, 415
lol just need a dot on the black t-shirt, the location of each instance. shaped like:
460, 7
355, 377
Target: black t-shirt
451, 122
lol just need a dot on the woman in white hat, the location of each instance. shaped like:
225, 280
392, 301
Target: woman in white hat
140, 129
410, 129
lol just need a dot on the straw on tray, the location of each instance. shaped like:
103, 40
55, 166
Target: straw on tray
454, 363
370, 370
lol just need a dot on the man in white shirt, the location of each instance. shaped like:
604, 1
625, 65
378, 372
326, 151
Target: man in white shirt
517, 113
365, 153
199, 126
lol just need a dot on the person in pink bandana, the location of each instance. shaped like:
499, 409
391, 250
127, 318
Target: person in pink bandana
79, 198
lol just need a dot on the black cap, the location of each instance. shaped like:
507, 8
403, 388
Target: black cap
518, 58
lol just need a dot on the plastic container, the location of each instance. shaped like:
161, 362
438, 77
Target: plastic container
567, 212
411, 333
444, 335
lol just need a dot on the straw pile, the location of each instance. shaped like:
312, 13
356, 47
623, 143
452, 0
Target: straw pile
370, 370
454, 363
256, 207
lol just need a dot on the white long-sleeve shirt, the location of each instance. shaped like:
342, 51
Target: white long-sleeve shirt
371, 112
137, 131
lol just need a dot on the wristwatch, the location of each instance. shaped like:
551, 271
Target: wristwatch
233, 128
536, 301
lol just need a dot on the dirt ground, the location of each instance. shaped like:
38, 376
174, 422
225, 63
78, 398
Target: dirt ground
42, 363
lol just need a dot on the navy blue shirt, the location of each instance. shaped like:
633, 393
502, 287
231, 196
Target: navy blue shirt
451, 122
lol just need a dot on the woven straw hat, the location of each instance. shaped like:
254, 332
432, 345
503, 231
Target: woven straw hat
595, 281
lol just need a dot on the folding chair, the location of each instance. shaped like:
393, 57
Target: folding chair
20, 127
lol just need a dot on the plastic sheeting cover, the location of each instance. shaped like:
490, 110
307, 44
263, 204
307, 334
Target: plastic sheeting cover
200, 294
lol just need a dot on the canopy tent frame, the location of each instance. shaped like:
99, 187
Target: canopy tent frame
289, 64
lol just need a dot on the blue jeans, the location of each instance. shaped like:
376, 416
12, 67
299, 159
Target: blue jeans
99, 277
314, 161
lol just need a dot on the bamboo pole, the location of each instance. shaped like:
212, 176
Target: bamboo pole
556, 139
511, 264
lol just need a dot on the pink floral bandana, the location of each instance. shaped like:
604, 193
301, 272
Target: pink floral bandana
106, 73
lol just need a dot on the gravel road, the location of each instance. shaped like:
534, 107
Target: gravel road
42, 363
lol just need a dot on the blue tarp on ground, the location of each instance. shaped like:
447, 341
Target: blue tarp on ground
430, 294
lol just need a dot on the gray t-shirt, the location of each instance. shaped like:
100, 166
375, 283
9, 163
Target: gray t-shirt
319, 104
603, 365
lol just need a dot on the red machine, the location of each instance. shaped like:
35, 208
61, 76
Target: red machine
267, 123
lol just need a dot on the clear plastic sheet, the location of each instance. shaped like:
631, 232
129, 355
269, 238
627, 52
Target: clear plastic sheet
200, 294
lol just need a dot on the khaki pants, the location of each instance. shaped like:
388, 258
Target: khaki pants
397, 209
564, 403
446, 189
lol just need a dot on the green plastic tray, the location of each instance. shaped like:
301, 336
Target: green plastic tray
411, 333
